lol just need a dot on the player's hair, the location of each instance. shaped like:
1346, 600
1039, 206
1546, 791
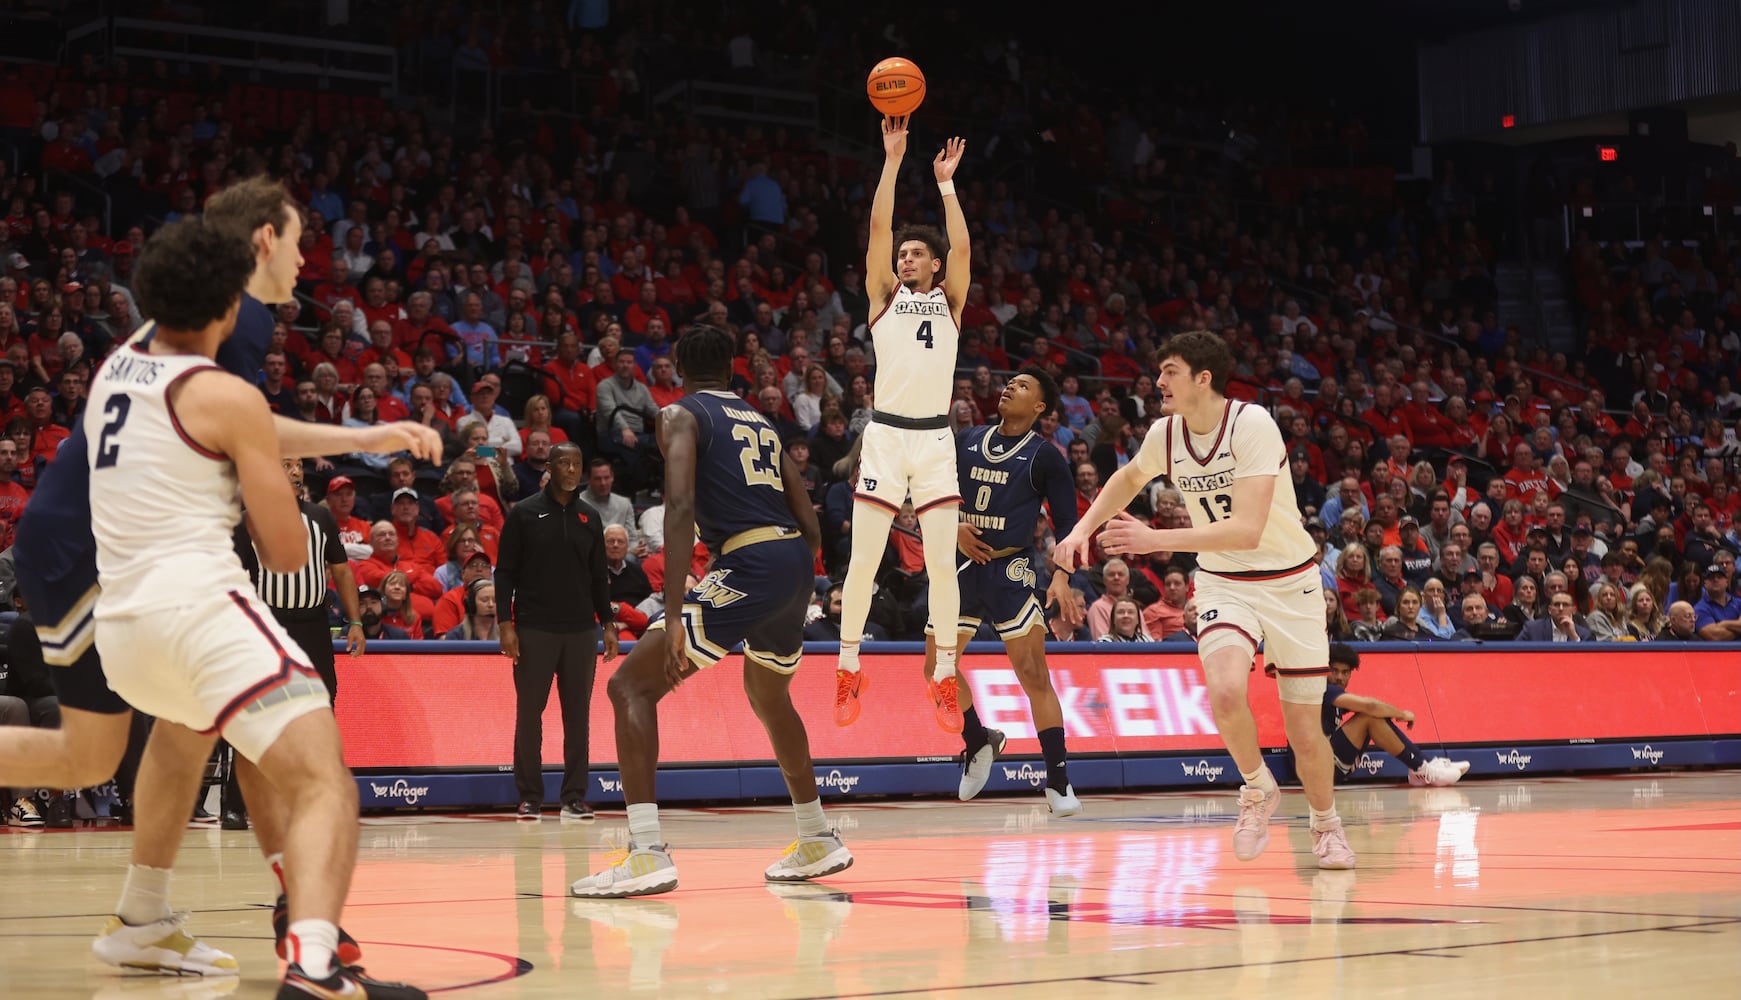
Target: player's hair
190, 274
705, 352
1341, 652
931, 236
248, 205
1048, 387
1201, 351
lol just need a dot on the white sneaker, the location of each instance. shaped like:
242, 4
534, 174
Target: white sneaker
1251, 831
975, 772
23, 813
1330, 844
160, 946
1063, 804
1442, 771
639, 871
811, 857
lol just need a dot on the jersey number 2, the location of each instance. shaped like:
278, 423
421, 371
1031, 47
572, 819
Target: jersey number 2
1225, 502
108, 449
759, 469
924, 334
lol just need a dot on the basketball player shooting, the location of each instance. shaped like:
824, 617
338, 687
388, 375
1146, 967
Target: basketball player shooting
1257, 582
907, 447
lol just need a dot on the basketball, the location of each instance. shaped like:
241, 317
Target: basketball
896, 87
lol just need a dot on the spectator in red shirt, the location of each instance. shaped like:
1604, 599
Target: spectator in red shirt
468, 516
1386, 418
341, 502
646, 308
664, 385
13, 496
1525, 476
381, 347
47, 435
385, 558
450, 609
416, 543
388, 407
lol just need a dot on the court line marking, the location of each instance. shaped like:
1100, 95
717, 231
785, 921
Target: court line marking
1405, 952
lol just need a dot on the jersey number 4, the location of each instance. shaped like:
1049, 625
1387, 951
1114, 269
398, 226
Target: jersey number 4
924, 334
1222, 500
760, 455
108, 449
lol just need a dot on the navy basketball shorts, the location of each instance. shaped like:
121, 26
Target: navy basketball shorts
757, 594
1003, 591
64, 611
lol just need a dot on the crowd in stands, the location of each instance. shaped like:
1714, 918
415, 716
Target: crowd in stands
525, 288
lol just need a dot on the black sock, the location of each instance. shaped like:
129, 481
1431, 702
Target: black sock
1411, 754
1052, 747
972, 731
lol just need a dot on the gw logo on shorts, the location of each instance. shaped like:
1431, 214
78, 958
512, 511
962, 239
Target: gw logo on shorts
713, 592
1020, 572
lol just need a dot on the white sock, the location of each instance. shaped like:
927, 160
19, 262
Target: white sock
1260, 778
848, 660
275, 864
644, 824
310, 944
1325, 818
144, 896
811, 822
945, 665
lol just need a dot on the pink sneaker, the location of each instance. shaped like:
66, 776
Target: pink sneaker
1331, 846
1251, 832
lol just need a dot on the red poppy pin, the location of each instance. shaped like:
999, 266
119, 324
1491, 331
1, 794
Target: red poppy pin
583, 517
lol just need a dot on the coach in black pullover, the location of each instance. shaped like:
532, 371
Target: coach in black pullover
553, 594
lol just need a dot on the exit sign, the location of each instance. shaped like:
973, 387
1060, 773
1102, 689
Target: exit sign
1608, 154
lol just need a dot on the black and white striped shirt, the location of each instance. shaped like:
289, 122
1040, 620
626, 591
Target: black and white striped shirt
304, 590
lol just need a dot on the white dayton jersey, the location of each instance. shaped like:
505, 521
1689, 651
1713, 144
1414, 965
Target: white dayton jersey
162, 507
915, 338
1203, 467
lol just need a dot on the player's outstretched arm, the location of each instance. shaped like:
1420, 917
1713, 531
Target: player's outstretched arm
301, 439
798, 501
229, 416
1120, 489
879, 254
959, 272
1238, 531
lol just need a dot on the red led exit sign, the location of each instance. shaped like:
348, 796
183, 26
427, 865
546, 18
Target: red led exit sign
1608, 154
1508, 121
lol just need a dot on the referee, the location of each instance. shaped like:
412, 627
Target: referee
299, 600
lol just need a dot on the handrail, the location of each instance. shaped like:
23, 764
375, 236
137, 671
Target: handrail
1649, 219
268, 52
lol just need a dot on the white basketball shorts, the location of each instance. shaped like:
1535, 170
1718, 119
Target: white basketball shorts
215, 665
895, 462
1283, 612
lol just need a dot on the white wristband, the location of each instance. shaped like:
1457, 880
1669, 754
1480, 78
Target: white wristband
946, 187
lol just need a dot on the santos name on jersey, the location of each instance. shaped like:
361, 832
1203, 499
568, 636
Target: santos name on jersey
1202, 467
162, 506
915, 338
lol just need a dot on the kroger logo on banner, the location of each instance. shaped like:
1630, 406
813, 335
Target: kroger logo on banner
1512, 757
1370, 763
1648, 755
1034, 776
1202, 769
838, 781
401, 791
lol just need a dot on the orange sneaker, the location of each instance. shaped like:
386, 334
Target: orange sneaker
946, 697
849, 686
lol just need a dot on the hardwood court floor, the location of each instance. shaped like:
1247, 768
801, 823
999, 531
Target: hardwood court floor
1587, 888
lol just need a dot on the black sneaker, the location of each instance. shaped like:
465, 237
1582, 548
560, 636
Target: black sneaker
529, 810
349, 951
577, 810
60, 812
234, 820
345, 981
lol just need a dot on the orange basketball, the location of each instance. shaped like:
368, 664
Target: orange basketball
896, 87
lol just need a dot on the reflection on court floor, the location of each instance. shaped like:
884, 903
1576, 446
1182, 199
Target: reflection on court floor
1586, 887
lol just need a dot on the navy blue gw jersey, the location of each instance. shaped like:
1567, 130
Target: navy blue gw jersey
56, 552
738, 457
1005, 479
